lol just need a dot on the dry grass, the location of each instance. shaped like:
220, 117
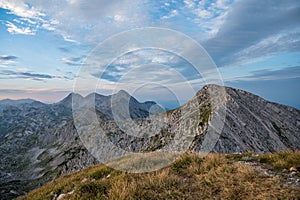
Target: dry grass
189, 177
282, 160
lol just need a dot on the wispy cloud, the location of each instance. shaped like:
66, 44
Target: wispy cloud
8, 59
12, 28
266, 48
209, 15
29, 75
8, 74
267, 74
20, 8
144, 65
91, 21
28, 19
73, 61
255, 28
173, 13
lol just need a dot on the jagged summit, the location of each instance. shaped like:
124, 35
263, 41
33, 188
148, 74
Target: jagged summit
104, 103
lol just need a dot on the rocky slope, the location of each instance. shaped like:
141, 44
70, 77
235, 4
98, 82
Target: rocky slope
39, 143
254, 124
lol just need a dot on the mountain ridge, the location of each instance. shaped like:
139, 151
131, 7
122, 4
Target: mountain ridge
43, 141
21, 100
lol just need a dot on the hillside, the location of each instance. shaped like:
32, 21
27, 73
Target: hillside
216, 176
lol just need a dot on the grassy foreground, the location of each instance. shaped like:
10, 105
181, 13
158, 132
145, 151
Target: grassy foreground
215, 176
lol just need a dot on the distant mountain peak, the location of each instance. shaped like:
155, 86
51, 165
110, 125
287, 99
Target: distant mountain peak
26, 100
19, 103
73, 94
122, 93
68, 100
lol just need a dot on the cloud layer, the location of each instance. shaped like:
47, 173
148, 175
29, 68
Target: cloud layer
255, 28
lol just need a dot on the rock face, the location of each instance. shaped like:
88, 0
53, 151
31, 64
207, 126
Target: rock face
39, 142
254, 124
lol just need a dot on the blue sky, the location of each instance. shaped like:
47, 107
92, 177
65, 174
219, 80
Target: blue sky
255, 45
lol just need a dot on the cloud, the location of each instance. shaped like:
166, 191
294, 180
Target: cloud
208, 15
27, 18
91, 21
266, 48
255, 22
8, 59
267, 74
9, 74
19, 8
73, 61
95, 20
150, 70
133, 63
12, 28
173, 13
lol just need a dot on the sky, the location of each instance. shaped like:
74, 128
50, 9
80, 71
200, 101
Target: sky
254, 44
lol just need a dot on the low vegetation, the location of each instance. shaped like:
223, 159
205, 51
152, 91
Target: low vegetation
216, 176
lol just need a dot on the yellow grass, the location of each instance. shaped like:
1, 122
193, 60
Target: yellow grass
215, 176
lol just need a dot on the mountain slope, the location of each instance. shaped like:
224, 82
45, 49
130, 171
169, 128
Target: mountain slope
216, 176
254, 124
40, 143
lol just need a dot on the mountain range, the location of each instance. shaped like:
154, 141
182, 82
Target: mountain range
39, 142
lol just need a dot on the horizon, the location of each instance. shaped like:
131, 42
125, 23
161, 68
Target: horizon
44, 45
164, 105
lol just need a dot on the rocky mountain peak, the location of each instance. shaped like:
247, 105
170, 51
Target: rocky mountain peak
68, 100
122, 94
